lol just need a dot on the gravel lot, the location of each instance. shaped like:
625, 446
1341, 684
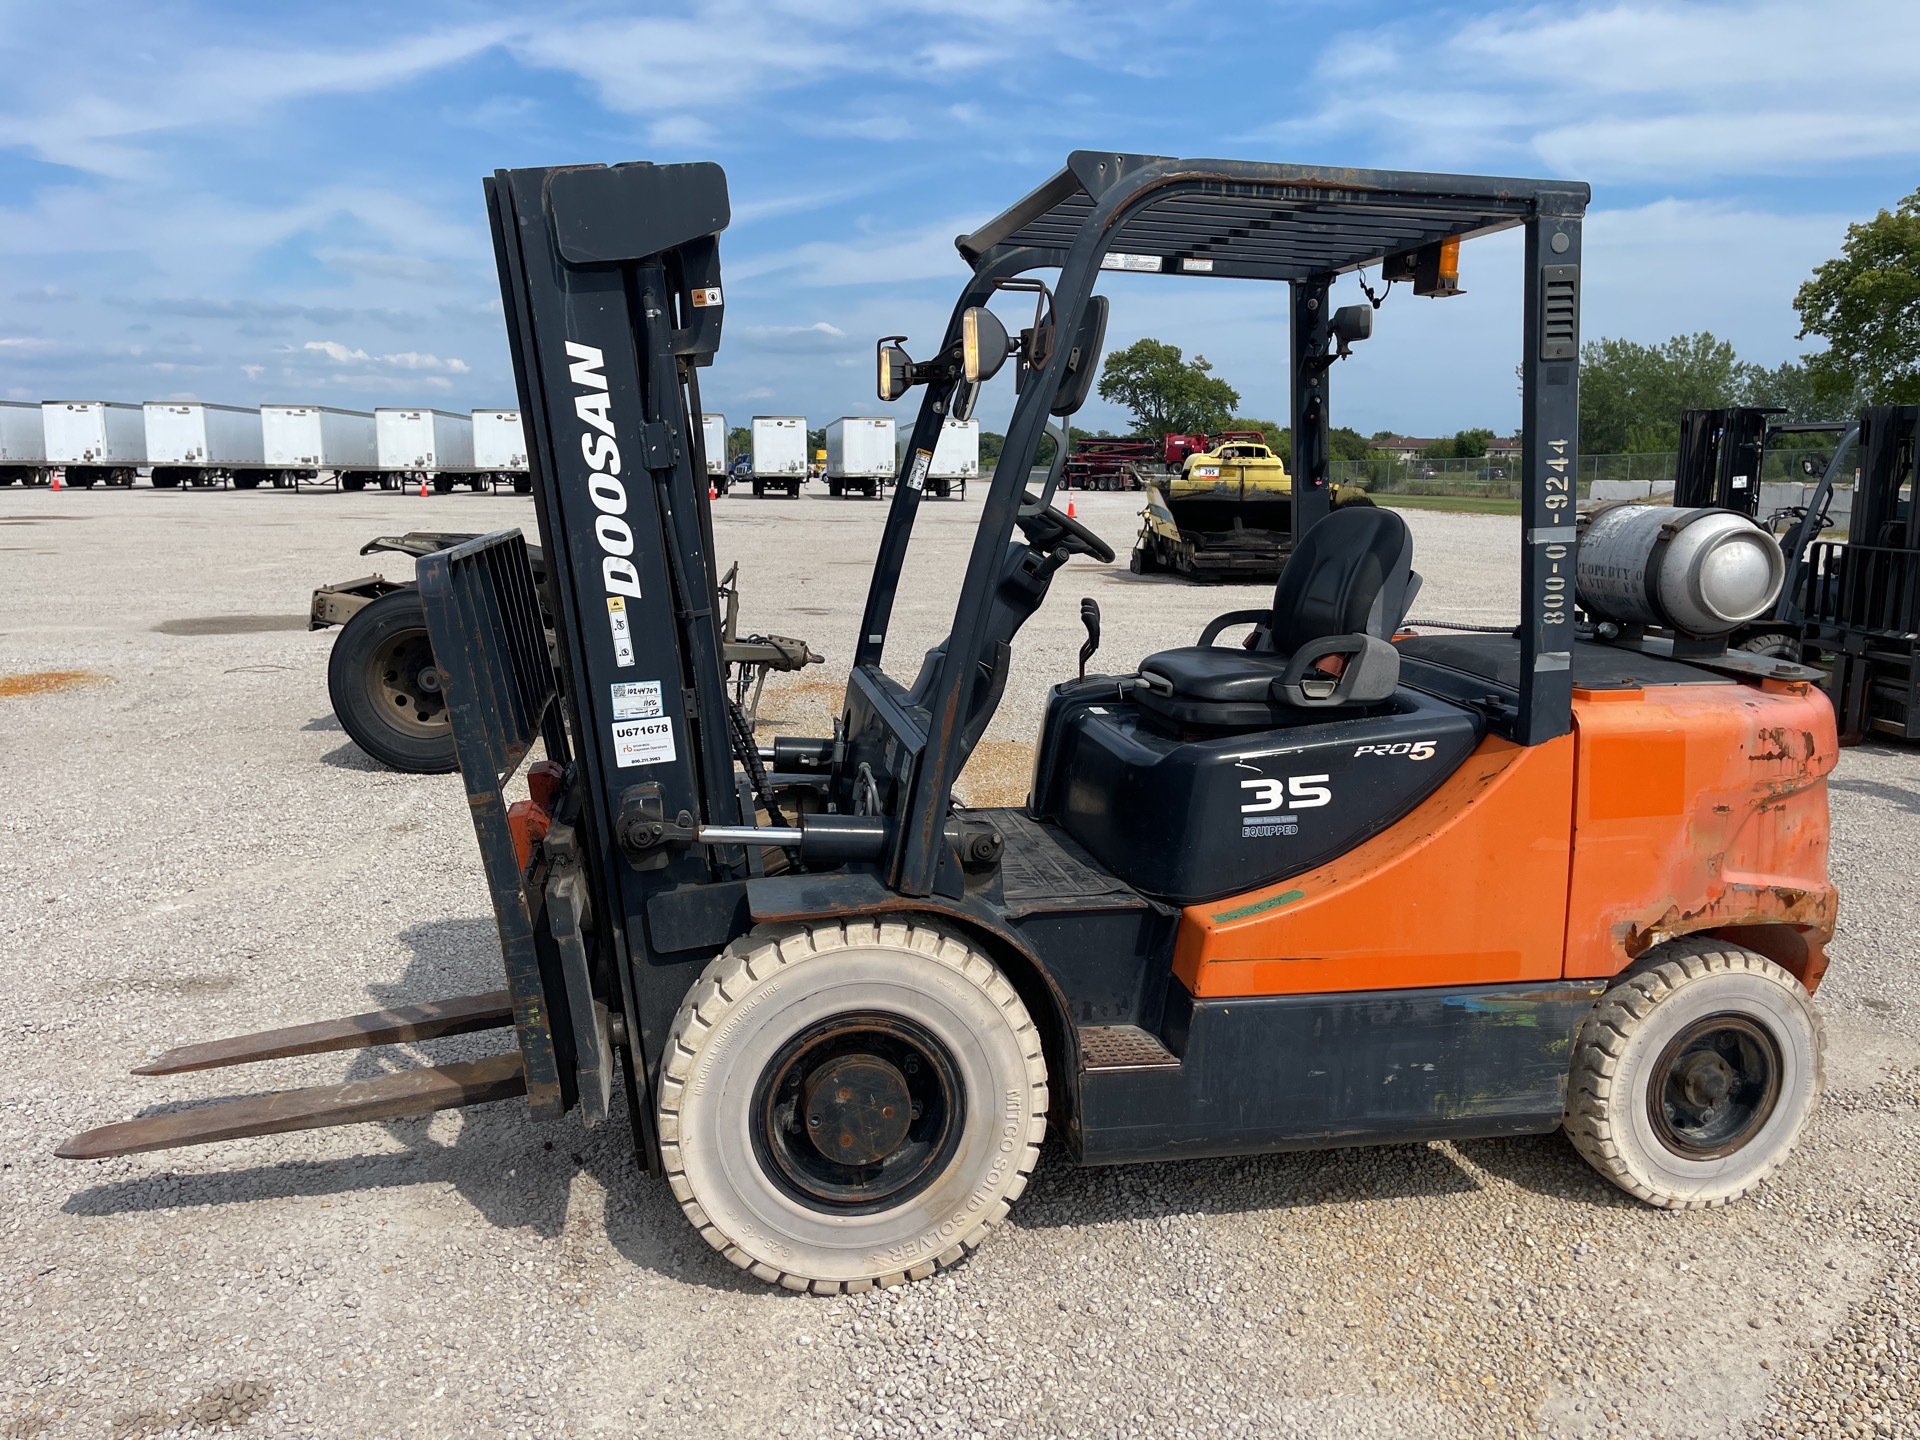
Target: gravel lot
192, 848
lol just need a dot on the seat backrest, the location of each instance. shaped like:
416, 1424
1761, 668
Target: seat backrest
1350, 574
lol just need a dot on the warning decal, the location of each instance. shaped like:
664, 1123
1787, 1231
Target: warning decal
917, 476
622, 630
642, 742
636, 700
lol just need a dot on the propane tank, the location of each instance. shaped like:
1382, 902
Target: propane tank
1701, 572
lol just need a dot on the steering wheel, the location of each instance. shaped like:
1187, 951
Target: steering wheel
1046, 529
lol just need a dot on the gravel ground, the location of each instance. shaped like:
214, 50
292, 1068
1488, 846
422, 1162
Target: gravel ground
192, 848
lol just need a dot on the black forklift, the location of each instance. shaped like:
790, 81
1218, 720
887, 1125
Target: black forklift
844, 1010
1863, 608
1722, 462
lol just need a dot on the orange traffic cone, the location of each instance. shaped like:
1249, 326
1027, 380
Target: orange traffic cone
712, 494
1070, 511
423, 487
54, 477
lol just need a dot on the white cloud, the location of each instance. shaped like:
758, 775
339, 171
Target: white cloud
414, 360
1634, 89
334, 350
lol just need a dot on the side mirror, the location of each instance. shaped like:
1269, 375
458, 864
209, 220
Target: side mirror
1083, 358
984, 346
895, 368
966, 395
1351, 323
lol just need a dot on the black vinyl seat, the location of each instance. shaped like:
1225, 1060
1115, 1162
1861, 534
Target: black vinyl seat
1344, 592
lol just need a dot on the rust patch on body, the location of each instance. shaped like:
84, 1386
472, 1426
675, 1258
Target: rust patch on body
48, 682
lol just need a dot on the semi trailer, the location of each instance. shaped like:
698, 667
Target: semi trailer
779, 457
860, 455
95, 441
191, 443
956, 459
23, 444
417, 444
500, 450
301, 441
713, 445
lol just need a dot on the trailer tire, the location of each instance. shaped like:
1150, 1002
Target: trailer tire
250, 481
929, 1050
376, 663
1695, 1019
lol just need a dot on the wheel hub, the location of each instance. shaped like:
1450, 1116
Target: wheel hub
409, 684
857, 1109
858, 1112
1714, 1086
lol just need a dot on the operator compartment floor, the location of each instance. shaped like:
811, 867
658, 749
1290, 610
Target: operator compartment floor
1042, 868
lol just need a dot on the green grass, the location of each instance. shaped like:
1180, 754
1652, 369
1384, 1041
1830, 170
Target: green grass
1468, 504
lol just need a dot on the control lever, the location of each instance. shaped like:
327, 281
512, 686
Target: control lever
1089, 617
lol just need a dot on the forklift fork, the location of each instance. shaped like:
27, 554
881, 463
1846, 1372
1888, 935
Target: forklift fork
484, 617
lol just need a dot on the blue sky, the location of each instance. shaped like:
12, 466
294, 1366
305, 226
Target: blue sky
246, 203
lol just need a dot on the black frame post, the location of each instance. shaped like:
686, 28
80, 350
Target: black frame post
1549, 470
1312, 496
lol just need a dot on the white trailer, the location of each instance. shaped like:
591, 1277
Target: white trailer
500, 449
956, 459
410, 444
300, 441
23, 444
779, 453
95, 440
189, 443
860, 455
713, 439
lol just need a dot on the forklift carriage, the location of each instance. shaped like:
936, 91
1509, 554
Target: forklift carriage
1336, 886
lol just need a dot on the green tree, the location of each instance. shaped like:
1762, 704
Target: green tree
1631, 395
1865, 303
739, 442
1166, 392
1465, 445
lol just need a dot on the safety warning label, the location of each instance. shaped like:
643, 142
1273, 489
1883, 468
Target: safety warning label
642, 742
622, 630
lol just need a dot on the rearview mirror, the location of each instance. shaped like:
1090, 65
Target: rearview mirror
966, 395
983, 344
1083, 357
895, 367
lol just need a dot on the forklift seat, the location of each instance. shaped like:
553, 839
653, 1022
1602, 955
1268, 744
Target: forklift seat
1344, 592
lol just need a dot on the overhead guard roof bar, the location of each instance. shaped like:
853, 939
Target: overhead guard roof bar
1269, 222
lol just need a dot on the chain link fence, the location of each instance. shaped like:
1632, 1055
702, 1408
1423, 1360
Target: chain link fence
1498, 477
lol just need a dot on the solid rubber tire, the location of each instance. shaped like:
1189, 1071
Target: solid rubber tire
725, 1034
1622, 1039
361, 712
1779, 644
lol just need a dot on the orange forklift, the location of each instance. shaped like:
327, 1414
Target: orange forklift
1333, 884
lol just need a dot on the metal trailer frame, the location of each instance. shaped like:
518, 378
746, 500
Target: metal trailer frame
1863, 594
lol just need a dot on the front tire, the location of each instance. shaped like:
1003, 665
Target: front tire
1774, 644
1695, 1074
844, 1106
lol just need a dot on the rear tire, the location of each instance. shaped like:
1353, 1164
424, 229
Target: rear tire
1695, 1074
385, 688
249, 481
896, 1038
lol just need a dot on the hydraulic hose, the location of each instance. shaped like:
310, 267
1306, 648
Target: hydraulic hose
748, 754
